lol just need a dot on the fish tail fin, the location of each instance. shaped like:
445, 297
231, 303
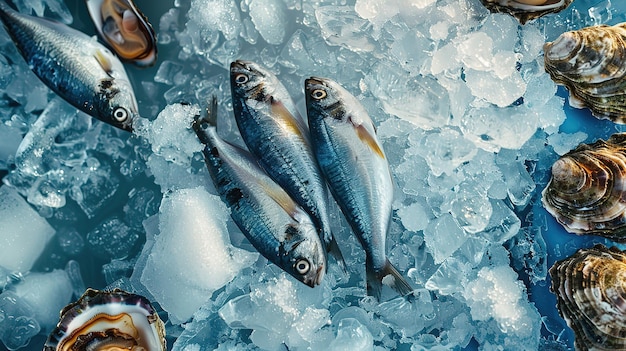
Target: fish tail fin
209, 119
335, 251
375, 280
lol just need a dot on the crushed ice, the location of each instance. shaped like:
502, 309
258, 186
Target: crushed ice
462, 105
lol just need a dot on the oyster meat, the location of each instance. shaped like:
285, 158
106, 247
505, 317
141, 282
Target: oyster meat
589, 286
108, 320
591, 64
125, 29
526, 10
587, 191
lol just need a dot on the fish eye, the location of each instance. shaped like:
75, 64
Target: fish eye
302, 266
318, 94
241, 78
120, 114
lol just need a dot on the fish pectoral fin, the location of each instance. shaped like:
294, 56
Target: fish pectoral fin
283, 200
103, 61
369, 139
289, 121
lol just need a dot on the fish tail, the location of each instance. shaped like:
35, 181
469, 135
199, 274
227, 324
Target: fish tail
375, 280
209, 119
335, 251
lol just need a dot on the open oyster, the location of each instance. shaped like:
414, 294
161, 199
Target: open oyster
587, 191
589, 287
591, 64
108, 320
125, 29
526, 10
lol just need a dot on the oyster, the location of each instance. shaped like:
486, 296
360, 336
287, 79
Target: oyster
125, 29
526, 10
589, 286
587, 191
108, 320
591, 64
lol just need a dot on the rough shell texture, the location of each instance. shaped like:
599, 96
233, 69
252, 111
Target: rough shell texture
591, 64
587, 191
589, 286
526, 10
108, 320
125, 29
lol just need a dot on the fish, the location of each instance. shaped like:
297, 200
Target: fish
278, 137
125, 29
355, 166
271, 220
75, 66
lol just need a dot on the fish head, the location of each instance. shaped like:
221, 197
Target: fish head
249, 80
120, 109
324, 99
303, 254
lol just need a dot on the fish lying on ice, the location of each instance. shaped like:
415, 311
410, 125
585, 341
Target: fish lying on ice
75, 66
277, 227
356, 169
278, 137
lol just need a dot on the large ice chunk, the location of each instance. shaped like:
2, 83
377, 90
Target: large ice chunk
192, 256
24, 232
278, 314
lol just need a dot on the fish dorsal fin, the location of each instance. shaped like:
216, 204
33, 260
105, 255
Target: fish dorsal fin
103, 61
368, 137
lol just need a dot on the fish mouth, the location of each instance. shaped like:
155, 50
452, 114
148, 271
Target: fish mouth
315, 279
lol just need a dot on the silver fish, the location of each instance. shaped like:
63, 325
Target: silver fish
125, 29
278, 137
356, 169
277, 227
75, 66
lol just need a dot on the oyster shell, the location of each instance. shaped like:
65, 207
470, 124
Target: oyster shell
125, 29
589, 286
108, 320
591, 64
526, 10
587, 191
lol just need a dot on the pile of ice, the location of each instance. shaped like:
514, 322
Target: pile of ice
462, 105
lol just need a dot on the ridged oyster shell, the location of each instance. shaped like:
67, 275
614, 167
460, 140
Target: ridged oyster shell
591, 64
526, 10
589, 286
108, 320
587, 191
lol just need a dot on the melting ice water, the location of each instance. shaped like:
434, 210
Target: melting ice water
469, 120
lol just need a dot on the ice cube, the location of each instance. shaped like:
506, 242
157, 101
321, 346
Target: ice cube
112, 239
443, 236
98, 189
270, 19
192, 256
352, 336
46, 294
341, 26
24, 232
17, 322
170, 134
60, 10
